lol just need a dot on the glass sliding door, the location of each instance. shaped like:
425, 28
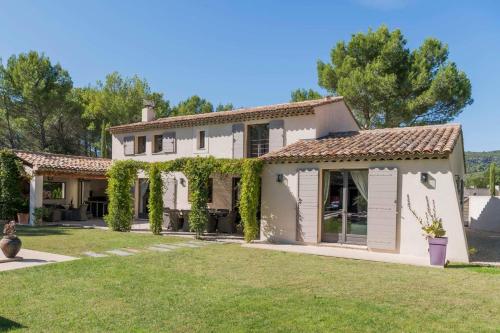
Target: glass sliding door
143, 198
345, 202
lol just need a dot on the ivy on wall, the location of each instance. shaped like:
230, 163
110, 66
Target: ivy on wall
155, 204
250, 197
121, 179
197, 170
11, 175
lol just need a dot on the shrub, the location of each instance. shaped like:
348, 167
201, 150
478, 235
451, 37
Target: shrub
155, 203
121, 179
250, 197
11, 175
492, 179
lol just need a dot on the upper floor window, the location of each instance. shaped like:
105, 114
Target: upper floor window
258, 140
201, 139
157, 143
141, 145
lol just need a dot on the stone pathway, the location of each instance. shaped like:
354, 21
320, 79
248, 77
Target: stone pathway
125, 252
33, 258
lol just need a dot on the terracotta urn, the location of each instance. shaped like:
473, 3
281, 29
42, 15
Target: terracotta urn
10, 245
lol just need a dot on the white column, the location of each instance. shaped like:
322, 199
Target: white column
36, 195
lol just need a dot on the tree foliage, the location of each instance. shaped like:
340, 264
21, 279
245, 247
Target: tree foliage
155, 204
388, 85
121, 180
300, 95
492, 179
40, 110
33, 97
11, 175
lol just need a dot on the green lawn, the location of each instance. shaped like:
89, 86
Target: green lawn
227, 288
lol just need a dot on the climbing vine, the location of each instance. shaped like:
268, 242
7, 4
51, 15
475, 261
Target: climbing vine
11, 174
155, 204
250, 197
121, 179
197, 170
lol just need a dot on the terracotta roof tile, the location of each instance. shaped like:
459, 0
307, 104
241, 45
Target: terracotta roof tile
432, 140
64, 163
260, 112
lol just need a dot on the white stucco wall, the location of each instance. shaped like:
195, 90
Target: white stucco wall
327, 119
332, 118
484, 213
279, 203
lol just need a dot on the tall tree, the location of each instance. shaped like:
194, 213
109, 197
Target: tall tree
192, 105
388, 85
118, 100
300, 95
224, 107
32, 90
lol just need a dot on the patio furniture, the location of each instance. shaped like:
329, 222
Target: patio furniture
79, 214
175, 222
185, 217
212, 222
227, 224
53, 214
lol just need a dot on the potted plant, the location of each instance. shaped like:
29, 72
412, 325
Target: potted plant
432, 227
39, 215
23, 215
10, 243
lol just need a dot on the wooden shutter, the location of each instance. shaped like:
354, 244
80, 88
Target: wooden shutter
128, 145
169, 142
276, 134
170, 194
307, 212
382, 208
238, 140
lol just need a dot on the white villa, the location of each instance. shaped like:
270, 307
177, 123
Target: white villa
325, 181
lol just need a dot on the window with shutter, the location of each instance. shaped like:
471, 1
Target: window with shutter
169, 142
128, 145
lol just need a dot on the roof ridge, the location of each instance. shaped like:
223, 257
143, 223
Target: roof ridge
281, 107
60, 155
411, 127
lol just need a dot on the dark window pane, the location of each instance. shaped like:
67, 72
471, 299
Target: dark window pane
201, 138
158, 143
141, 144
258, 140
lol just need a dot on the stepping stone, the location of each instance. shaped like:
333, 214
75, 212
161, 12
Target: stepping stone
95, 255
186, 245
159, 249
166, 246
120, 253
132, 250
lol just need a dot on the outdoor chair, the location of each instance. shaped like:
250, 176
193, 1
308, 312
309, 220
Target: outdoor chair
227, 224
80, 214
53, 214
185, 216
174, 219
212, 222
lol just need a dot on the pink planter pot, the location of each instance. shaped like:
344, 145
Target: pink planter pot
437, 250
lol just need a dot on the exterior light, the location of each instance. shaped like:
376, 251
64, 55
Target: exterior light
279, 178
424, 177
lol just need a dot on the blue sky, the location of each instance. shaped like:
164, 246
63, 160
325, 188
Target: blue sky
251, 52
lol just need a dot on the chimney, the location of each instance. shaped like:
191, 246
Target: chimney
148, 111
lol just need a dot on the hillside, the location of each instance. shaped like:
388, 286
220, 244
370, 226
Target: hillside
479, 161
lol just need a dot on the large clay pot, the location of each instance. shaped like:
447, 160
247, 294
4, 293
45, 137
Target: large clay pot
23, 218
437, 250
10, 246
